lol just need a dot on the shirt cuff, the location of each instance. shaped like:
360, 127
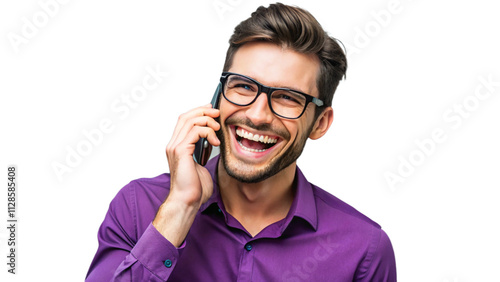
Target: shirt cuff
156, 253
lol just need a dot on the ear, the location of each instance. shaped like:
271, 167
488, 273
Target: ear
322, 124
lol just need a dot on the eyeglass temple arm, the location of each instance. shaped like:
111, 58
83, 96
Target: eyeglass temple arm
317, 101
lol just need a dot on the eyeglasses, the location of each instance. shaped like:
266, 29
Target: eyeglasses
286, 103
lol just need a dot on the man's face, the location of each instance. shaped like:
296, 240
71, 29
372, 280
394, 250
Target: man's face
253, 161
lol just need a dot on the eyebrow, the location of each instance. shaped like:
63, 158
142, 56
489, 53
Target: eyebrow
295, 89
242, 78
291, 88
280, 86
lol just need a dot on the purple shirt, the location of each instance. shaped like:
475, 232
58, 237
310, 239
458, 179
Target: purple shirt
321, 239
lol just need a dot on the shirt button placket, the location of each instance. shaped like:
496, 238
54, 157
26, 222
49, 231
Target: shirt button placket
248, 247
247, 258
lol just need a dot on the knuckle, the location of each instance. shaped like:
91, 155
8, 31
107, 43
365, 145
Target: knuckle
176, 150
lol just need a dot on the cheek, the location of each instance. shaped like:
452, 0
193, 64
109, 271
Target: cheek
226, 110
293, 128
298, 130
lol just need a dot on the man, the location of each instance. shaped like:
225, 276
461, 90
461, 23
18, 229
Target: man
250, 214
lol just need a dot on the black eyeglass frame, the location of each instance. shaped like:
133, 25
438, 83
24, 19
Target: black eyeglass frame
268, 90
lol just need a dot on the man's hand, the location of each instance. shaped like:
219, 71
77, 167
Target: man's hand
190, 184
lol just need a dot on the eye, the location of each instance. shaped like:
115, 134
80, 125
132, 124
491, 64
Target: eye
284, 97
244, 86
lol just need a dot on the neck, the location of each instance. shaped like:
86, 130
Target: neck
257, 205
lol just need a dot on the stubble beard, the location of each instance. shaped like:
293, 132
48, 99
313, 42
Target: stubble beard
246, 173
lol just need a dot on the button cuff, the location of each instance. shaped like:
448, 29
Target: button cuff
168, 263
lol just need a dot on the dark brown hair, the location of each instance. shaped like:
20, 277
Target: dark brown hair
294, 28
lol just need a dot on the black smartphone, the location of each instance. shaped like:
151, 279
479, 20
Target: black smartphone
203, 149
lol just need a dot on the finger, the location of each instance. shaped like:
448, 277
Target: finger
197, 112
200, 132
186, 146
203, 121
186, 117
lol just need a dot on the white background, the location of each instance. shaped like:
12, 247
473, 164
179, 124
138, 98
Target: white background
408, 66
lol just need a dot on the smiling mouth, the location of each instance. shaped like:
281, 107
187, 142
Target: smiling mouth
254, 142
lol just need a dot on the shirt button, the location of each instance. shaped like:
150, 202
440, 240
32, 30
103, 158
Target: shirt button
168, 263
248, 247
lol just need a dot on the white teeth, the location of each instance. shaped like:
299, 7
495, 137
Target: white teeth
258, 138
250, 150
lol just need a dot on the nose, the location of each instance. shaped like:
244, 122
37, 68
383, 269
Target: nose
259, 112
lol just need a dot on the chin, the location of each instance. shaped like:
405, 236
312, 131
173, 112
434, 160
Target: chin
250, 172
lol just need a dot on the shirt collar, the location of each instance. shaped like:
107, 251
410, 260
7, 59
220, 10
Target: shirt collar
303, 205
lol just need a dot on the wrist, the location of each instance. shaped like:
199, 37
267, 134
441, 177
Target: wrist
174, 219
185, 200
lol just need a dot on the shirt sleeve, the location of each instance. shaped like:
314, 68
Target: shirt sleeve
122, 257
379, 264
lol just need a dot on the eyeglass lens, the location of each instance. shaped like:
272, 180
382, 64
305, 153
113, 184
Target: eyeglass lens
241, 90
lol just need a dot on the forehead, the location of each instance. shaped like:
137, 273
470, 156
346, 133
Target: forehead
275, 66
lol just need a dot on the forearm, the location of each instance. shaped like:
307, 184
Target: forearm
174, 219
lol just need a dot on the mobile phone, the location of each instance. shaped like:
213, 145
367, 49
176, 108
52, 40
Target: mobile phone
203, 149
